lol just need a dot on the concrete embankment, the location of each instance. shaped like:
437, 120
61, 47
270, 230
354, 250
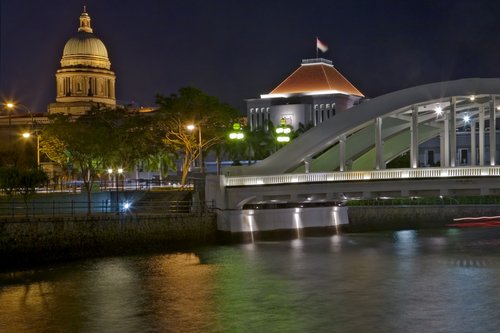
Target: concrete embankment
371, 218
28, 241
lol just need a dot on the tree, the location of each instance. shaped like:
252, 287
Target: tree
22, 181
261, 143
206, 113
101, 138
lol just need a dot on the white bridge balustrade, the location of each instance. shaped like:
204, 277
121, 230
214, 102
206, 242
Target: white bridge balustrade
388, 174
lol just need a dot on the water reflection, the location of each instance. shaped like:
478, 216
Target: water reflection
169, 293
404, 281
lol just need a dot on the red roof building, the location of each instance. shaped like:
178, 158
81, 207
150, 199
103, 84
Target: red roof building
314, 92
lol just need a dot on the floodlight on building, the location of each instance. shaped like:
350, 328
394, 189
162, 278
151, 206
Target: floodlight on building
466, 118
472, 98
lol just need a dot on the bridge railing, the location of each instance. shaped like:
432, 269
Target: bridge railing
320, 177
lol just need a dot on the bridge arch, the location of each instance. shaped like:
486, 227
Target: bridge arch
368, 135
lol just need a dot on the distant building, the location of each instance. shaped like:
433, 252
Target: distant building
85, 78
314, 92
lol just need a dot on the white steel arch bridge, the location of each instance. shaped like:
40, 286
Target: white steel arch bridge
347, 154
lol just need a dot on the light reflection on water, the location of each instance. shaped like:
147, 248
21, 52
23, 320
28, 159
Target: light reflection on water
404, 281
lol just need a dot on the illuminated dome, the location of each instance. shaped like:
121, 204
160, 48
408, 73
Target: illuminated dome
85, 79
85, 48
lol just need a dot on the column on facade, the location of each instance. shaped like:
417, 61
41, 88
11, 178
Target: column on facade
315, 115
481, 135
493, 134
342, 142
414, 137
473, 156
453, 132
379, 149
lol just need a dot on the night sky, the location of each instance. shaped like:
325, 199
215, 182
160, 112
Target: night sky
237, 50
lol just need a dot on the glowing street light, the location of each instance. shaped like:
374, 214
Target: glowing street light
119, 172
283, 131
11, 107
237, 132
27, 135
192, 127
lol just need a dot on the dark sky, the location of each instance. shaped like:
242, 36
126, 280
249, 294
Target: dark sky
241, 49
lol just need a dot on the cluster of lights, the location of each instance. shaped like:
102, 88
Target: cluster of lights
237, 133
120, 170
283, 139
283, 132
237, 136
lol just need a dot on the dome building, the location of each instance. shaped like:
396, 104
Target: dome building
85, 78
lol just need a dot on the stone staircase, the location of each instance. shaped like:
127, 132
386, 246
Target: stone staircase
162, 202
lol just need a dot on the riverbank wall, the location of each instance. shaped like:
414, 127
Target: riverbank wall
372, 218
35, 240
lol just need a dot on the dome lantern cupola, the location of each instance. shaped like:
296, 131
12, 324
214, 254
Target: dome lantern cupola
85, 21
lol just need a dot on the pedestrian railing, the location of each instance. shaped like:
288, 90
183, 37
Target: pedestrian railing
47, 208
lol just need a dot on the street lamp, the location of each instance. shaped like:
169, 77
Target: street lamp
237, 132
283, 131
192, 127
236, 135
118, 174
27, 135
11, 106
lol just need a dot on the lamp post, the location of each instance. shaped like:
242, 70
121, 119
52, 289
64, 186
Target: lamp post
27, 135
191, 127
236, 135
119, 172
10, 107
283, 131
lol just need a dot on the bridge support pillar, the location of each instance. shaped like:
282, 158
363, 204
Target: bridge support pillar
414, 138
342, 143
453, 132
493, 135
481, 135
445, 145
307, 164
379, 148
473, 155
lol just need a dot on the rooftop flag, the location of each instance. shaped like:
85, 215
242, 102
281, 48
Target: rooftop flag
321, 46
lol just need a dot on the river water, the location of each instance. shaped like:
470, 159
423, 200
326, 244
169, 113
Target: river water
405, 281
